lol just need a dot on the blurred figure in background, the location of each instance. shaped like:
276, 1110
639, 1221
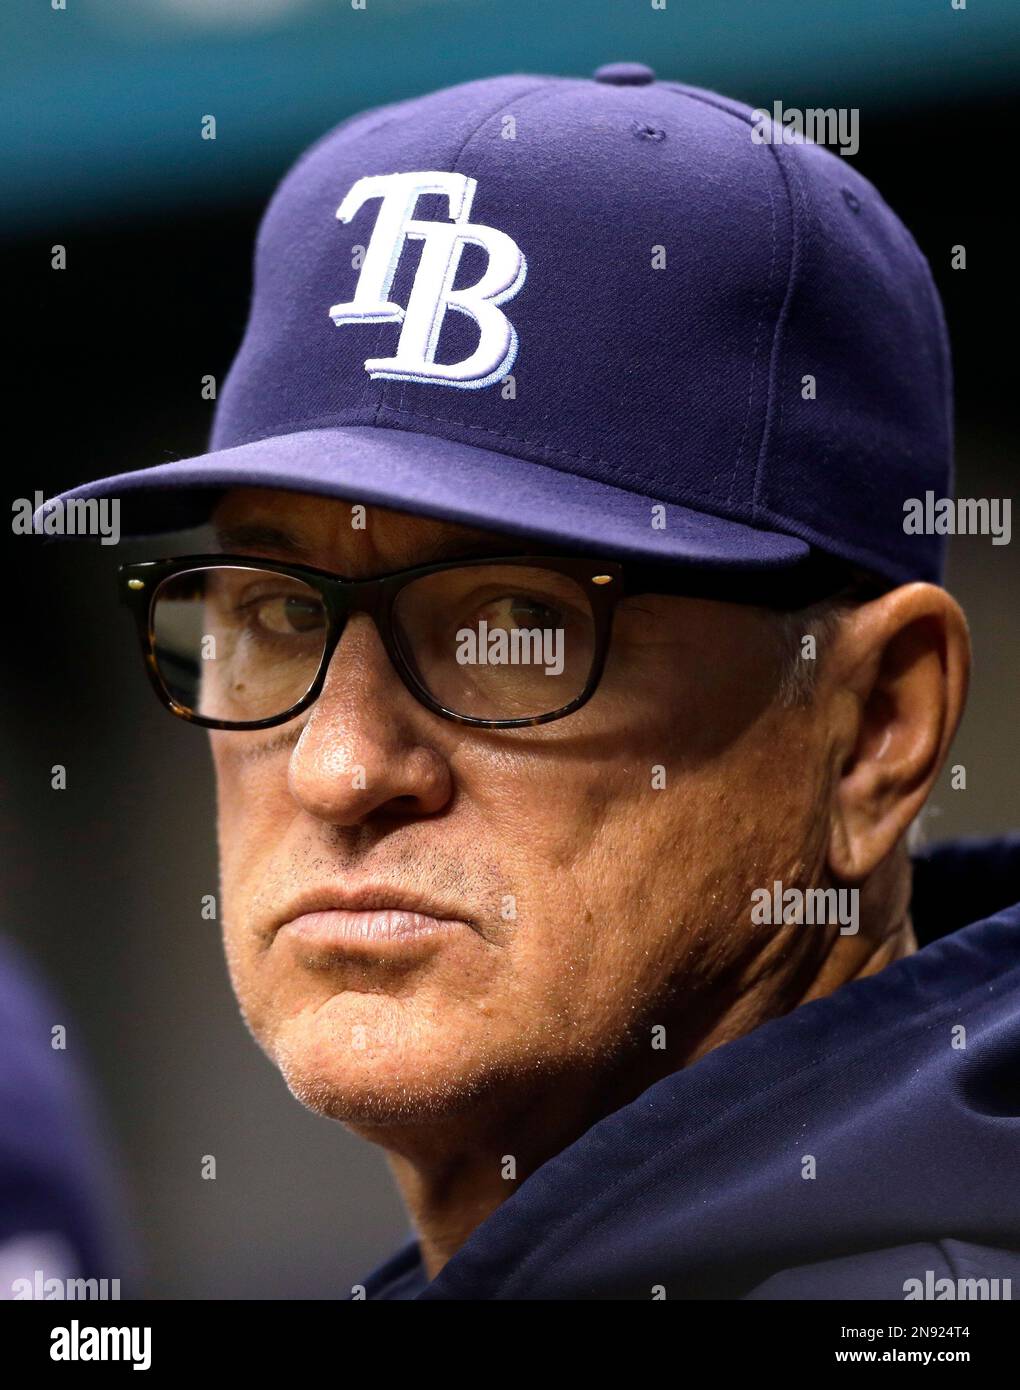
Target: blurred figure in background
61, 1234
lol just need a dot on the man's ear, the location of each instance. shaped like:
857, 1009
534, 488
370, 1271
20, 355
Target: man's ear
897, 685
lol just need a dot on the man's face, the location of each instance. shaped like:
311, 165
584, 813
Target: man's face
594, 874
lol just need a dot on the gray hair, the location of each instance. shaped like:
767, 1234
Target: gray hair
797, 673
798, 668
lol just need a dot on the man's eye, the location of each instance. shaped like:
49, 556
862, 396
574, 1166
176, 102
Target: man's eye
286, 614
521, 610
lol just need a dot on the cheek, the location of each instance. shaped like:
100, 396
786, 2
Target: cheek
644, 867
253, 814
574, 840
252, 803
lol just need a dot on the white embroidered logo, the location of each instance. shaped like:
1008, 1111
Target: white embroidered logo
433, 293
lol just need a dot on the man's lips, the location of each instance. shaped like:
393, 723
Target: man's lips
368, 917
343, 928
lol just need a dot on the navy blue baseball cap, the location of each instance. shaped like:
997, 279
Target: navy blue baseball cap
594, 312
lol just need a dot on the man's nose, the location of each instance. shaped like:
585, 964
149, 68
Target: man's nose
367, 745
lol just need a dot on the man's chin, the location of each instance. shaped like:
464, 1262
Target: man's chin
370, 1073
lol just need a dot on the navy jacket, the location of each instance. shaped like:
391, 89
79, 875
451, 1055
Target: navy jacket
696, 1189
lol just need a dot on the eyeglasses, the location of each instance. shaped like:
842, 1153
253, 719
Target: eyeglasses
238, 642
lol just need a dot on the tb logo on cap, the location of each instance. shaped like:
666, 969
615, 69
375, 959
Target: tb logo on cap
433, 293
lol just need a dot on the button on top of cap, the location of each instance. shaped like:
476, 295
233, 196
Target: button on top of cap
624, 74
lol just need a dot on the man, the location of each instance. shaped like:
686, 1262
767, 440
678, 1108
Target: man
573, 683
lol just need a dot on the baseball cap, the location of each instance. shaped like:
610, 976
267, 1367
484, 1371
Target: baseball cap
596, 312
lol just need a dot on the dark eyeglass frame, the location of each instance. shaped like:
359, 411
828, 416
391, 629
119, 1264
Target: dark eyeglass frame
605, 581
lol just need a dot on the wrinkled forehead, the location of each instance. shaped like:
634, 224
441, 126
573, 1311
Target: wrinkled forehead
351, 537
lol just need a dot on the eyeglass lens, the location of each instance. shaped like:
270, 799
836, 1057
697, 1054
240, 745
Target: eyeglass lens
239, 645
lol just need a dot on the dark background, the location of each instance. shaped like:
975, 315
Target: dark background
103, 882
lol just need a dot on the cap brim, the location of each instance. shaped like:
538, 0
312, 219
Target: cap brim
452, 481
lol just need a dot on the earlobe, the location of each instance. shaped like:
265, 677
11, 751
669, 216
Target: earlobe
905, 660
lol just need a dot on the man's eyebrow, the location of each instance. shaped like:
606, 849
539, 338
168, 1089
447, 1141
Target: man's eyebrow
473, 548
247, 536
255, 535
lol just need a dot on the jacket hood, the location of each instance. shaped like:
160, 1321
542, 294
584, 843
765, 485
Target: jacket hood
900, 1093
